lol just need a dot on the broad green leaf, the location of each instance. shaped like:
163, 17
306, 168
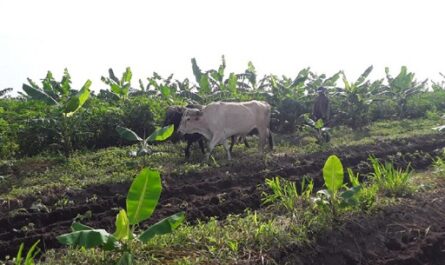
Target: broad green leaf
122, 226
165, 91
128, 134
196, 71
79, 227
32, 83
127, 75
126, 259
363, 77
191, 95
29, 260
143, 195
216, 76
332, 81
319, 124
161, 134
251, 74
116, 89
346, 82
204, 85
350, 193
38, 94
89, 239
66, 82
165, 226
141, 85
221, 68
77, 101
232, 84
153, 82
333, 174
125, 90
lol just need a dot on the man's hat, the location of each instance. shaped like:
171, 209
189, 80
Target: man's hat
321, 90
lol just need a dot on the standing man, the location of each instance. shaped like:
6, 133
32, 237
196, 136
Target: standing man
321, 108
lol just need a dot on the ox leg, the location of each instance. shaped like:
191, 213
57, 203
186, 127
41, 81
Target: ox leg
212, 144
245, 142
262, 133
233, 138
187, 149
226, 146
201, 145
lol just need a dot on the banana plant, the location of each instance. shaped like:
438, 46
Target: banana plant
161, 87
315, 81
357, 98
318, 127
202, 79
66, 101
336, 194
119, 88
142, 199
402, 87
5, 91
288, 88
185, 90
213, 85
158, 135
436, 86
250, 85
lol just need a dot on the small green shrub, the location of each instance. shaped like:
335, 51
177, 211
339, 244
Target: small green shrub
439, 166
29, 259
389, 180
285, 193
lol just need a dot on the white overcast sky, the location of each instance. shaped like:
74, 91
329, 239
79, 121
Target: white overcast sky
279, 37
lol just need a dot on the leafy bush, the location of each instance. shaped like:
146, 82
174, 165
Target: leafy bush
383, 109
286, 114
417, 106
138, 116
15, 116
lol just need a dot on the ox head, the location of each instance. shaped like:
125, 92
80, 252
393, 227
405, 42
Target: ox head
191, 122
173, 116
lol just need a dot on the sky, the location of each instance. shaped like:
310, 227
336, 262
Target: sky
279, 37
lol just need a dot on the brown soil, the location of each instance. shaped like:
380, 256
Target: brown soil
409, 233
230, 188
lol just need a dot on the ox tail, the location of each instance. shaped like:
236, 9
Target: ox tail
268, 114
270, 140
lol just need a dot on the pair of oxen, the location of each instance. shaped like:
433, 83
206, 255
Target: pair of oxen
218, 121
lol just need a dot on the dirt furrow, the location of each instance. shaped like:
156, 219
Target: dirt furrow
214, 192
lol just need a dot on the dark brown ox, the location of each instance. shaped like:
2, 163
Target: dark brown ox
173, 116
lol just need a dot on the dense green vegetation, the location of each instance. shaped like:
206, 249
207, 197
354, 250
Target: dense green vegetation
43, 119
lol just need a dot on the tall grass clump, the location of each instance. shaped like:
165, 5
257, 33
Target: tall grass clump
391, 181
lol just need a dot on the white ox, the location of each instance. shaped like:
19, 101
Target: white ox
221, 120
